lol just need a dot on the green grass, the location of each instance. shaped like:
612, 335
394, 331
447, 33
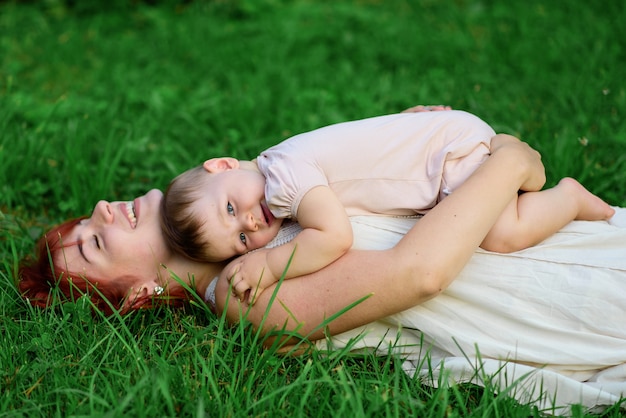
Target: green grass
106, 102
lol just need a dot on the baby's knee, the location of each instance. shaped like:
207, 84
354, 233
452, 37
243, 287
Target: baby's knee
504, 244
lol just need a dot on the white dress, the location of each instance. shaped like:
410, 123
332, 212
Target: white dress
551, 318
546, 324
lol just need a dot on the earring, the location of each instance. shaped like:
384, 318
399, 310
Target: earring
158, 290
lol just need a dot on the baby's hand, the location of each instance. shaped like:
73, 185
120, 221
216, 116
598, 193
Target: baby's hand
250, 276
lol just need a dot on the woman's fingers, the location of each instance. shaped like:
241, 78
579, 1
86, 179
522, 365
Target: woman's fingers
503, 140
429, 108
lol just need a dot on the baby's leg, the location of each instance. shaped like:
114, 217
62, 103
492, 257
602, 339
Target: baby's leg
534, 216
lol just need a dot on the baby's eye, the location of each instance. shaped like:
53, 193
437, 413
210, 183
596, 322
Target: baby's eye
97, 242
242, 237
229, 209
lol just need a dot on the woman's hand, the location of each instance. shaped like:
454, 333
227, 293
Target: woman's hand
536, 171
422, 108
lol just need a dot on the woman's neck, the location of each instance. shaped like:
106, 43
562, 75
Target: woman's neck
197, 275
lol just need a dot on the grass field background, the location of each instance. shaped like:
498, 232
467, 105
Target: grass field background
107, 100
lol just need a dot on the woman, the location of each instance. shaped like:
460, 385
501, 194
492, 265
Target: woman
120, 247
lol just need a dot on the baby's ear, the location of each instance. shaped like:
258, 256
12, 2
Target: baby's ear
218, 165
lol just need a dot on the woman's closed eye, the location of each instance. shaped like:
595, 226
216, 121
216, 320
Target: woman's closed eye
97, 241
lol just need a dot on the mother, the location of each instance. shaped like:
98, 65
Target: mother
542, 308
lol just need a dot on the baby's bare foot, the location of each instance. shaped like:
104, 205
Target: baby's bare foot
590, 206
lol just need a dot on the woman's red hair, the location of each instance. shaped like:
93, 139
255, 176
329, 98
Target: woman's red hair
40, 278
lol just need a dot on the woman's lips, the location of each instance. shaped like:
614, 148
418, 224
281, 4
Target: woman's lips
137, 206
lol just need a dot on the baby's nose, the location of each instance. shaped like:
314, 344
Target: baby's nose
251, 223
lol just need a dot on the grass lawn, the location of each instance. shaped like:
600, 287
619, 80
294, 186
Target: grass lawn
106, 101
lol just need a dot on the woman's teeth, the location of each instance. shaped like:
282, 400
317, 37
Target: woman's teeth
130, 210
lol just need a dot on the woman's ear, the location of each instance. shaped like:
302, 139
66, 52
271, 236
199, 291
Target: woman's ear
218, 165
147, 289
137, 296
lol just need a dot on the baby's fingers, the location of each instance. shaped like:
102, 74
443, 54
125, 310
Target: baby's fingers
240, 288
232, 273
253, 296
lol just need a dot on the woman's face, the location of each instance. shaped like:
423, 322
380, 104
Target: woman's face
120, 239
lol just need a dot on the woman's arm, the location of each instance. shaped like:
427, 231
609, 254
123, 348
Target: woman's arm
418, 268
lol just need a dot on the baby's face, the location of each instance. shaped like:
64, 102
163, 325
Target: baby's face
234, 213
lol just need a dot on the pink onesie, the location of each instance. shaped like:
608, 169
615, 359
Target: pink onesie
399, 164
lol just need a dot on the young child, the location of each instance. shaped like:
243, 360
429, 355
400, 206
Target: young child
398, 165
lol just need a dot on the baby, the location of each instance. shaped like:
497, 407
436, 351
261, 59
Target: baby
397, 165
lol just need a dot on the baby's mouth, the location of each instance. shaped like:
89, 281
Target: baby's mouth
267, 214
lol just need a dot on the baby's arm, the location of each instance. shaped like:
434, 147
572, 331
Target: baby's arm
326, 235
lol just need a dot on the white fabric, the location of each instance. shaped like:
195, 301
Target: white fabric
209, 294
551, 318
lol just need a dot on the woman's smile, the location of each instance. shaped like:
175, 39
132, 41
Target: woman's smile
131, 213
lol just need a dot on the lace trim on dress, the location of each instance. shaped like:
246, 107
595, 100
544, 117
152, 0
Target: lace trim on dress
209, 293
287, 232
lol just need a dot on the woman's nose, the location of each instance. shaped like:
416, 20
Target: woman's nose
103, 212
